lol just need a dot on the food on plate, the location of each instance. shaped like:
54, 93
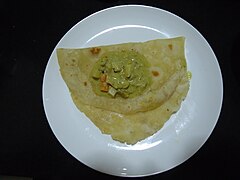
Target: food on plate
127, 90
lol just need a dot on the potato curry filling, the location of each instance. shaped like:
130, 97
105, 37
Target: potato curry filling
122, 73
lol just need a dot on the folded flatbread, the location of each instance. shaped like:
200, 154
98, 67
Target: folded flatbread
129, 119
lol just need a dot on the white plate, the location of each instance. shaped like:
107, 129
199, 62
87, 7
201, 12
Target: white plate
181, 136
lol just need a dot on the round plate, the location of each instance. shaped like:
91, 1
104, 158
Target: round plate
183, 134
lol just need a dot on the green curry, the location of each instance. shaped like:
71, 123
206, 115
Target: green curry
120, 73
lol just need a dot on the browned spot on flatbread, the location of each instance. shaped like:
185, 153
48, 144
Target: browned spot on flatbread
155, 73
95, 50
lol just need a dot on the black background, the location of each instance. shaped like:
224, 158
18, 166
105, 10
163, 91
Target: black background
29, 31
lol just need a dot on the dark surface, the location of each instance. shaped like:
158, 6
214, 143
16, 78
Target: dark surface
29, 31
